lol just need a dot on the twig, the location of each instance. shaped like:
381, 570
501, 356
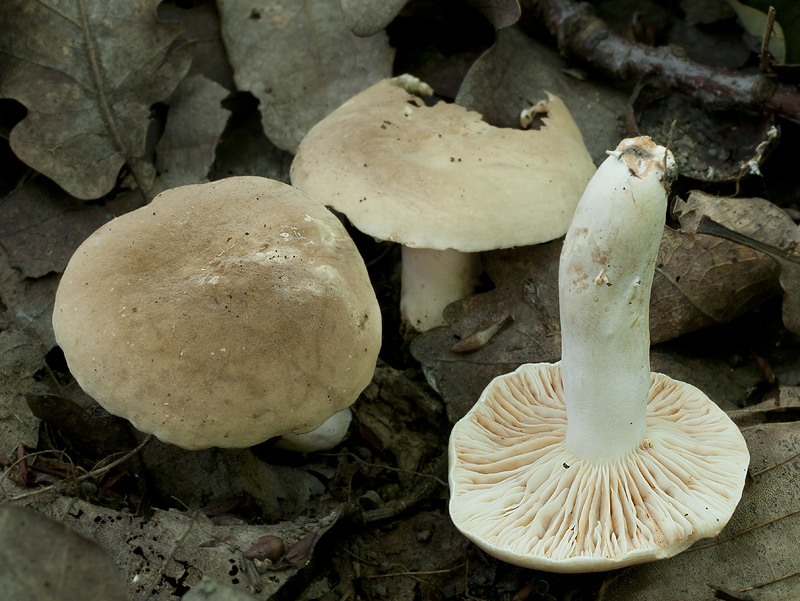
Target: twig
766, 58
91, 474
581, 34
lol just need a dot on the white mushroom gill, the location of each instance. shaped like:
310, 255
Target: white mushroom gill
523, 496
595, 463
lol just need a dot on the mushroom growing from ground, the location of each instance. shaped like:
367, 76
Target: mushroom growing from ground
595, 463
221, 314
443, 183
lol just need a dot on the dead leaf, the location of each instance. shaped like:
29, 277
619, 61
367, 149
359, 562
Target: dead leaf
41, 226
297, 81
701, 280
500, 13
710, 146
517, 71
756, 552
789, 265
21, 356
169, 551
201, 26
95, 435
88, 73
195, 123
366, 17
43, 560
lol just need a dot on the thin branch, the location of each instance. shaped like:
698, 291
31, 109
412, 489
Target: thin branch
766, 58
581, 34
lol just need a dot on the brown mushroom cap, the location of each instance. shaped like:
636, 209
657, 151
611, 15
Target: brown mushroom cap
220, 314
518, 492
440, 177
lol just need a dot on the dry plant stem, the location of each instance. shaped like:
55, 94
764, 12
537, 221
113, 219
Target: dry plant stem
97, 471
581, 34
766, 59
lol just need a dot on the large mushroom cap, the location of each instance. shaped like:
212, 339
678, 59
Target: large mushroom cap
221, 314
520, 494
440, 177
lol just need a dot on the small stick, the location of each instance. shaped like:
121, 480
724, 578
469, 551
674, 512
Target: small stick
766, 57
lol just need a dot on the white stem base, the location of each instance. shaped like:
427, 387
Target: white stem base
431, 280
327, 436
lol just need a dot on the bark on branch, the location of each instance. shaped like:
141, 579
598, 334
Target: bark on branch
583, 35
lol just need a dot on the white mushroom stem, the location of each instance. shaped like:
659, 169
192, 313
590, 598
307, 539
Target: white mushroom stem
605, 275
431, 280
327, 436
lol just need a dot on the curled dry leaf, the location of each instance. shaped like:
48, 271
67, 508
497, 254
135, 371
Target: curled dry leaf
88, 73
701, 280
297, 82
788, 260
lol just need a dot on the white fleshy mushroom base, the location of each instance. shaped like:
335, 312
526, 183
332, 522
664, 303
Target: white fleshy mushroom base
519, 493
327, 436
431, 280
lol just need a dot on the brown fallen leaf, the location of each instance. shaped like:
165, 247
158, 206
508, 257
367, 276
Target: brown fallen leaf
701, 280
88, 73
41, 225
195, 122
297, 82
43, 560
789, 263
94, 435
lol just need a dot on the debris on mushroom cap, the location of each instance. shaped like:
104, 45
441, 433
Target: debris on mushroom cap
220, 314
519, 493
439, 176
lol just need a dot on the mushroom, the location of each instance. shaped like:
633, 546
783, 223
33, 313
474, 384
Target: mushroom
443, 183
594, 463
221, 314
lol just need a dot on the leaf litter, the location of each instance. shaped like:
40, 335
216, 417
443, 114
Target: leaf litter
368, 519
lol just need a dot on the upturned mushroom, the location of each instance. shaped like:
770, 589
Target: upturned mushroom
221, 314
595, 463
443, 183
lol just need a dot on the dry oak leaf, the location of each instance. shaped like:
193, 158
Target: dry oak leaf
701, 280
41, 559
88, 73
300, 60
756, 553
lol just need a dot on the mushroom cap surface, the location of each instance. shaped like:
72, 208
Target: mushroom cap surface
522, 496
221, 314
439, 176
